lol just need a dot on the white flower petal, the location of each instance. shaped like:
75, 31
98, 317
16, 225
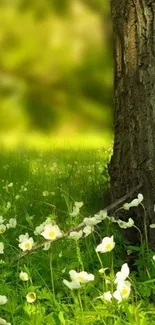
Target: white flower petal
107, 245
134, 203
81, 277
76, 234
23, 276
1, 248
107, 296
140, 197
88, 230
117, 295
51, 232
78, 204
31, 297
72, 285
3, 300
122, 224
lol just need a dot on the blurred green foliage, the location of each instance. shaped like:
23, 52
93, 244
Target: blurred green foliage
55, 65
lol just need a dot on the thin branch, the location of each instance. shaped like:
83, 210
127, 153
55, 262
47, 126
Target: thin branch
78, 227
123, 198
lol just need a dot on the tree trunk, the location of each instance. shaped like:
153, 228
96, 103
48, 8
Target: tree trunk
133, 160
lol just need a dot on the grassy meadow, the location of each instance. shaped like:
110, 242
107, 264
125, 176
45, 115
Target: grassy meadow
60, 187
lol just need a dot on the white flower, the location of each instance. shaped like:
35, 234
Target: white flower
1, 219
122, 224
1, 248
76, 209
112, 219
4, 322
72, 285
123, 290
23, 237
31, 297
102, 215
130, 223
153, 257
78, 204
39, 229
134, 202
12, 223
107, 296
17, 197
3, 300
91, 221
75, 212
140, 197
8, 205
23, 276
81, 277
117, 295
123, 274
26, 243
45, 193
152, 225
107, 245
10, 185
88, 230
126, 206
125, 225
51, 232
76, 234
2, 228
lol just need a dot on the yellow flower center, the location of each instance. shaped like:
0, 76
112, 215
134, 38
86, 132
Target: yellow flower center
52, 234
80, 278
31, 296
108, 246
27, 245
1, 230
124, 292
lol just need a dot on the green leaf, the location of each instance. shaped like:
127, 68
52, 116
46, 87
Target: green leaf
61, 317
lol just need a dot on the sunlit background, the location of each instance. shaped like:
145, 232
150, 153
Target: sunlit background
55, 71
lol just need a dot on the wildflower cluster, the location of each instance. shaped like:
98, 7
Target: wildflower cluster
116, 288
4, 225
12, 223
123, 286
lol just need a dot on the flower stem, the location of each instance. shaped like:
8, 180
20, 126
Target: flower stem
52, 278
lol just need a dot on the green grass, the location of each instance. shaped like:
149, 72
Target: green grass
46, 184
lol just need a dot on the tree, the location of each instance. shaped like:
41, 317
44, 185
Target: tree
133, 160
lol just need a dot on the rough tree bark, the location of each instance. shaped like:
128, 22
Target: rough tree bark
133, 160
